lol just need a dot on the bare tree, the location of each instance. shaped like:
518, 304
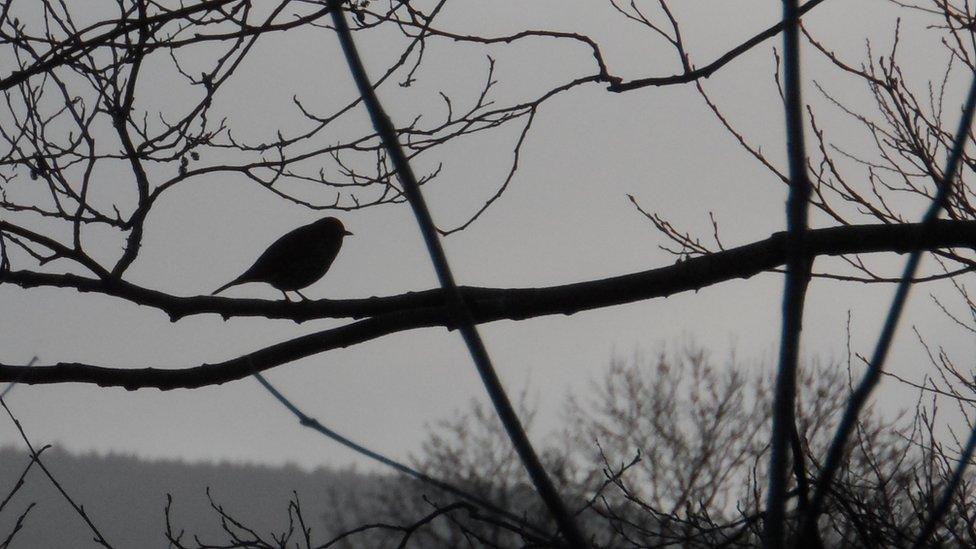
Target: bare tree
672, 450
87, 160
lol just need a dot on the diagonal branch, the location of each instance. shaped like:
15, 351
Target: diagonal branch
457, 308
711, 68
60, 250
307, 421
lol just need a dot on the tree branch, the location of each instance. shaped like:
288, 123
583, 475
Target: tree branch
75, 47
426, 309
522, 303
709, 69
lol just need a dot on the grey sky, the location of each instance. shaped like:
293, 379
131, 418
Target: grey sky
565, 218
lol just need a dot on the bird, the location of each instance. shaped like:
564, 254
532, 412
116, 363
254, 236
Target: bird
297, 259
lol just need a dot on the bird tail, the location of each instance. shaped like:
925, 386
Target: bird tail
234, 282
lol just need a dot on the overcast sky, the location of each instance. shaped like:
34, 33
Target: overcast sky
565, 217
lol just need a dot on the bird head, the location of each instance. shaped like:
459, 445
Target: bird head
332, 226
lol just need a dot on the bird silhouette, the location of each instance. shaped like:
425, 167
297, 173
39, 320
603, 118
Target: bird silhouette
297, 259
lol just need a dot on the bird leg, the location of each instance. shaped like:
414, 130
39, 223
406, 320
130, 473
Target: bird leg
284, 293
302, 296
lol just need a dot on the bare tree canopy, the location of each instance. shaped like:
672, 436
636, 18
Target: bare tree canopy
111, 110
73, 118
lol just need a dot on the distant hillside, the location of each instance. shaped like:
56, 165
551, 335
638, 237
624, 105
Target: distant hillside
126, 498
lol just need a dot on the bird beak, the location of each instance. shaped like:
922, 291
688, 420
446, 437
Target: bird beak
346, 233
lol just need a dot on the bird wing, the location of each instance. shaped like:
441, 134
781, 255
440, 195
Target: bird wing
287, 249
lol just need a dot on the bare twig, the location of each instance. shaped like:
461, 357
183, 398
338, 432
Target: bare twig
875, 366
35, 455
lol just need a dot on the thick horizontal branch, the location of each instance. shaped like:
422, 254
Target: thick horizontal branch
425, 309
520, 303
